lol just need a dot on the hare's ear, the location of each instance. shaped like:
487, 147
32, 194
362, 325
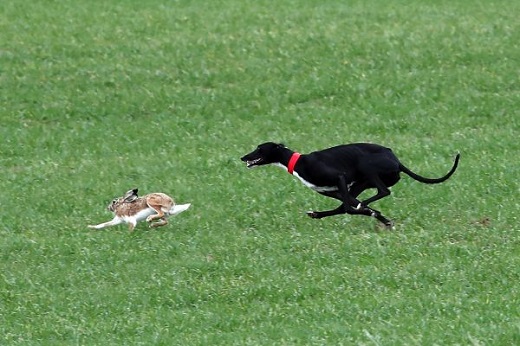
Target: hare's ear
130, 196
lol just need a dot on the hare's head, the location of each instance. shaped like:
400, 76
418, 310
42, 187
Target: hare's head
129, 196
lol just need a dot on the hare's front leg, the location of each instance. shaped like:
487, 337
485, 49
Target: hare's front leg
115, 221
132, 222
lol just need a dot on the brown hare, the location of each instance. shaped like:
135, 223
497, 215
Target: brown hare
131, 209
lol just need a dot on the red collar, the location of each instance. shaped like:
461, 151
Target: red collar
292, 162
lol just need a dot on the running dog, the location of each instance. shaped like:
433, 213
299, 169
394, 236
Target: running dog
342, 172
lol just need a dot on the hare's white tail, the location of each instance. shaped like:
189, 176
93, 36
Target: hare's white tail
179, 208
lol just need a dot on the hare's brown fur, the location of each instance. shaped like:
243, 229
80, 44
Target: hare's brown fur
158, 201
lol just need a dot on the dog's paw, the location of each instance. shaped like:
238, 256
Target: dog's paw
92, 227
313, 214
386, 226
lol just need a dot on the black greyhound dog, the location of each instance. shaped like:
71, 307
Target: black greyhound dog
342, 172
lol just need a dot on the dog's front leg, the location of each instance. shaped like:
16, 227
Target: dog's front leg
321, 214
342, 209
344, 189
115, 221
347, 206
377, 214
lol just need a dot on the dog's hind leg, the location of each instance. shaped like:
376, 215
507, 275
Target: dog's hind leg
377, 214
382, 191
355, 190
368, 211
349, 195
380, 172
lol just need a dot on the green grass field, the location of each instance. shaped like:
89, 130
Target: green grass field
97, 97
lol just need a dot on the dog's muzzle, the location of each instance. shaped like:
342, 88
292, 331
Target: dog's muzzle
252, 163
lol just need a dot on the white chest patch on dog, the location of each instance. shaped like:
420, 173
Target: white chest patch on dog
311, 185
315, 187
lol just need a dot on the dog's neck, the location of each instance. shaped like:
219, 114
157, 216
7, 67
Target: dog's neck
287, 160
292, 162
285, 163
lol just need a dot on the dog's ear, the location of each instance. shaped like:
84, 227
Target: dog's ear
281, 145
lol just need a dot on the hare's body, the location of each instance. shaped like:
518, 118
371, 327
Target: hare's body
131, 209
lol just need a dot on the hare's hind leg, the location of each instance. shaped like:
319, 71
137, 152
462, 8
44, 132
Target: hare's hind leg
159, 213
160, 203
161, 217
159, 223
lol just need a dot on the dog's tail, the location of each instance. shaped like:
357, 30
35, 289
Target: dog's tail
431, 180
179, 208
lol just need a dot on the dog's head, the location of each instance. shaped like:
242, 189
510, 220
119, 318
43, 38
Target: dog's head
264, 154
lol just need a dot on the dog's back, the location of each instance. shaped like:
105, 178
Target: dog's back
354, 149
349, 155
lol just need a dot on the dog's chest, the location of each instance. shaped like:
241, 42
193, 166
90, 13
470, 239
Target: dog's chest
315, 187
310, 185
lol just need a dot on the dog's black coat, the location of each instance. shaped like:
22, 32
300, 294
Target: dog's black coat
344, 172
